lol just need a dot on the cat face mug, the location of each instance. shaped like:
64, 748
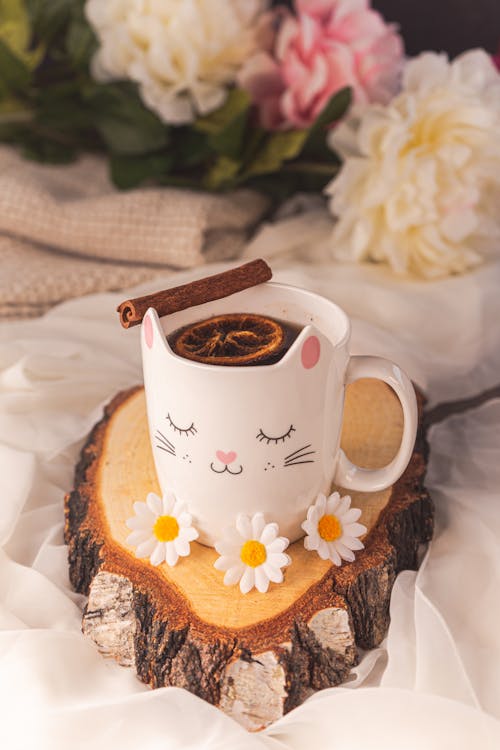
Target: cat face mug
262, 438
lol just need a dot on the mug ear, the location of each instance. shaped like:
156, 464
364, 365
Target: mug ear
153, 343
308, 349
310, 352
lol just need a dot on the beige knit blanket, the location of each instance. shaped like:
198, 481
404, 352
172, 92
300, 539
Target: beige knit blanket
66, 231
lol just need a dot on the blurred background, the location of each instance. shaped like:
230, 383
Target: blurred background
450, 25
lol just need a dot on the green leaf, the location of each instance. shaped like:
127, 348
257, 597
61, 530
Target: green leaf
14, 26
49, 17
8, 101
12, 112
8, 130
130, 171
15, 32
190, 148
278, 147
65, 115
333, 111
326, 170
311, 176
277, 186
283, 147
229, 141
124, 123
336, 108
43, 149
222, 174
15, 75
81, 42
60, 111
227, 125
237, 102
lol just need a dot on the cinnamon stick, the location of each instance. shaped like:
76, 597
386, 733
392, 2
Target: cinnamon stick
210, 288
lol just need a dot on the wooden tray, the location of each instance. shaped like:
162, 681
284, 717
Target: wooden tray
255, 656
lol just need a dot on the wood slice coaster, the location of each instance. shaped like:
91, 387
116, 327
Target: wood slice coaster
255, 656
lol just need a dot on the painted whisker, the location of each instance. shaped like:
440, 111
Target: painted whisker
164, 443
301, 455
299, 450
161, 437
162, 448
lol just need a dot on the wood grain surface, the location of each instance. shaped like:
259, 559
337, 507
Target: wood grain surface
259, 655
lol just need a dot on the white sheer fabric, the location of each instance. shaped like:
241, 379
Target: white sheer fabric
434, 683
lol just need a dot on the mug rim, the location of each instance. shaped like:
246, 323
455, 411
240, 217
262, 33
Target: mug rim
282, 362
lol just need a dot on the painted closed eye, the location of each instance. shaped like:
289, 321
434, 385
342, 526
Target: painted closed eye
191, 430
261, 435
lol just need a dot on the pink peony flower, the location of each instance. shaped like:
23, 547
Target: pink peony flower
328, 45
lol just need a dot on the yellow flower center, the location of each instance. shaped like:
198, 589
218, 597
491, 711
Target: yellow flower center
166, 528
253, 553
329, 528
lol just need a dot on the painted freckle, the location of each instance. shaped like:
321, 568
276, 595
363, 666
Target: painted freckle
310, 352
148, 331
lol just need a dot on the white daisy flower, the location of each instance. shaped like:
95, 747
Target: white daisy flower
252, 553
332, 530
162, 529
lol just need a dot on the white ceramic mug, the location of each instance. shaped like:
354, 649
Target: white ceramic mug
230, 440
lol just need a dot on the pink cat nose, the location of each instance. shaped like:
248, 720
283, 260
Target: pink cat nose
226, 458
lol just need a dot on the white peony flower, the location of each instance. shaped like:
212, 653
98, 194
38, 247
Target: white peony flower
332, 530
182, 53
252, 553
162, 529
420, 186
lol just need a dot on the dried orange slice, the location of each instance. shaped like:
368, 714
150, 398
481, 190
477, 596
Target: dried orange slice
232, 339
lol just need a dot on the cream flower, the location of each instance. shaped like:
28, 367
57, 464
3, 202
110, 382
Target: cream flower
182, 53
420, 186
161, 529
252, 553
332, 530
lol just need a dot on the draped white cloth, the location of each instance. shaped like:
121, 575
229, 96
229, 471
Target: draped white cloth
434, 683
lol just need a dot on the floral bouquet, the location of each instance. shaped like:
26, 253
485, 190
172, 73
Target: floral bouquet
211, 94
305, 95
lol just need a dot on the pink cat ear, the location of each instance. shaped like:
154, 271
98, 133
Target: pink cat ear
310, 354
148, 331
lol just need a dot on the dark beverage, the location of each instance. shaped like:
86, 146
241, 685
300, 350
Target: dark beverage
235, 340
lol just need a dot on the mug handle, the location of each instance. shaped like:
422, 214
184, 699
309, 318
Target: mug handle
352, 477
